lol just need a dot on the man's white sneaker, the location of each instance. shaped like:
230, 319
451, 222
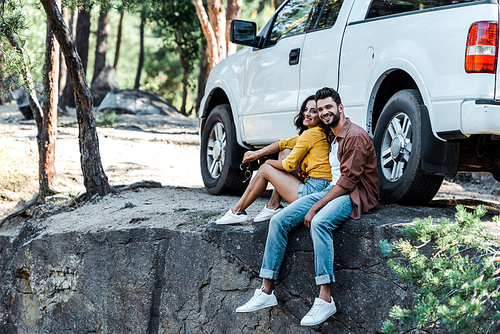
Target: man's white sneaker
319, 312
266, 214
259, 301
232, 218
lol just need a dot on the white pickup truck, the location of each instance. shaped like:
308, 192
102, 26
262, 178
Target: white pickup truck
419, 75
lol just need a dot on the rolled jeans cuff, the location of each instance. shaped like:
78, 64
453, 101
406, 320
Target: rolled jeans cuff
269, 274
324, 279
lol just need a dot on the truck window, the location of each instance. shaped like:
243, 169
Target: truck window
291, 20
389, 7
330, 13
323, 14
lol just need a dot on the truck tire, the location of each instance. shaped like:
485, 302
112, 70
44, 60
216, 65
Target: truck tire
398, 143
217, 146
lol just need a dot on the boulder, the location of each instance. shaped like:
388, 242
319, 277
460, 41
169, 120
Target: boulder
22, 101
109, 268
137, 102
105, 82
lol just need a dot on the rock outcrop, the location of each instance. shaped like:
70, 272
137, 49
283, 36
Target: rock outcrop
137, 102
155, 266
105, 82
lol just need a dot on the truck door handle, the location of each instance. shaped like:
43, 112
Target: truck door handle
293, 57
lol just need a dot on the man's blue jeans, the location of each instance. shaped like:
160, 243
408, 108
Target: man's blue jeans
322, 227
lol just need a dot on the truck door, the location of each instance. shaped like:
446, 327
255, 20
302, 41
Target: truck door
272, 77
321, 50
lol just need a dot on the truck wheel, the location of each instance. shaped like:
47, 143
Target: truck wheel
217, 146
398, 143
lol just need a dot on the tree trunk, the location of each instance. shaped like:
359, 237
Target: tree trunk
101, 45
67, 96
212, 48
82, 35
2, 85
47, 139
202, 78
141, 52
217, 15
118, 40
233, 13
185, 69
94, 178
63, 71
216, 26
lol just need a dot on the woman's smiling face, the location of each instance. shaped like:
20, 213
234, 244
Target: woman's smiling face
311, 117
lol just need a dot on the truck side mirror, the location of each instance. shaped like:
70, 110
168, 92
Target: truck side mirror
244, 33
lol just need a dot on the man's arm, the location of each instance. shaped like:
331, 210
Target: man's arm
333, 193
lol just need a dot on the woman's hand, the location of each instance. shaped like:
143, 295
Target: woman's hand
250, 156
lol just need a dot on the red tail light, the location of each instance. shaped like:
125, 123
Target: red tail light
482, 48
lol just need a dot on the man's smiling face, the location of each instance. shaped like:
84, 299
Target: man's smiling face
328, 112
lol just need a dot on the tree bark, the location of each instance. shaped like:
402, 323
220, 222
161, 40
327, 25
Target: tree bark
212, 48
141, 52
217, 15
276, 3
63, 70
67, 96
94, 178
82, 35
202, 78
118, 40
233, 12
216, 27
101, 45
185, 69
2, 65
47, 139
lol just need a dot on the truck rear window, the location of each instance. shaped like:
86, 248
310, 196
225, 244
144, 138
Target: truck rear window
389, 7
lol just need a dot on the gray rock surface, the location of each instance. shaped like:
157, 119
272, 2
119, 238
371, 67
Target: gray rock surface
148, 261
105, 82
137, 102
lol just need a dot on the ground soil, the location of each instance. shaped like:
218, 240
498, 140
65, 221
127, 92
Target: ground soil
150, 147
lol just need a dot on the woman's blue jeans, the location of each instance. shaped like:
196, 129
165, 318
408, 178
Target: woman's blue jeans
322, 226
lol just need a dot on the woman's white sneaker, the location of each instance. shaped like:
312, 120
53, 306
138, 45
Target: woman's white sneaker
319, 312
259, 301
267, 214
232, 218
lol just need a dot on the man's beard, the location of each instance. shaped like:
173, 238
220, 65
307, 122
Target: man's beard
334, 121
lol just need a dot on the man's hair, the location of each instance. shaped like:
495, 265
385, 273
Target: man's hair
325, 92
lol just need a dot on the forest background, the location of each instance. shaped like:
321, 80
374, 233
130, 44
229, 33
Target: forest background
160, 41
162, 69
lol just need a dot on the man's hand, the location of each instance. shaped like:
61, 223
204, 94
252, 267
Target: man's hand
333, 193
310, 215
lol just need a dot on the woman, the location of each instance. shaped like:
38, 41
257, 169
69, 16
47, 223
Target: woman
309, 155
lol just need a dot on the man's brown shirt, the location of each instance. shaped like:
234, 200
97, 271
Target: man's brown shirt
358, 168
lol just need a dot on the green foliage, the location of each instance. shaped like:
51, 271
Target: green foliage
458, 284
107, 119
22, 20
176, 22
13, 22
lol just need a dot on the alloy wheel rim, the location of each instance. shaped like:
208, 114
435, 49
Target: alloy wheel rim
216, 150
396, 147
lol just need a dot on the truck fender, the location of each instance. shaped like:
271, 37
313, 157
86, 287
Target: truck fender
438, 157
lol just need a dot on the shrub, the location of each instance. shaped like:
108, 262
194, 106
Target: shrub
458, 283
107, 118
